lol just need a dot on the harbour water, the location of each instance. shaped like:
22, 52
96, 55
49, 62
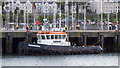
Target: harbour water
106, 59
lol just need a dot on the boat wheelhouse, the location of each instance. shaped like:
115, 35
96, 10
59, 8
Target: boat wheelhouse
52, 38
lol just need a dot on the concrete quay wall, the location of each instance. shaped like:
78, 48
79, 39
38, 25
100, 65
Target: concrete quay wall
110, 39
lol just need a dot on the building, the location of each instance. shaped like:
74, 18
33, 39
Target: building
0, 9
11, 6
1, 17
74, 8
119, 6
46, 7
108, 6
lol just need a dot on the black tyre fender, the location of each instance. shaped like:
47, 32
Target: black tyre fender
20, 48
26, 52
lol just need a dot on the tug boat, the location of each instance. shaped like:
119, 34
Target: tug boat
53, 43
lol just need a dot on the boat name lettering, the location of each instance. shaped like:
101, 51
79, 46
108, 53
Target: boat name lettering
33, 45
57, 41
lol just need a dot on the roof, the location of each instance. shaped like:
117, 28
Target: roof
51, 32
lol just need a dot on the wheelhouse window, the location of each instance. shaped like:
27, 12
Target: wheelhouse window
52, 36
48, 36
59, 36
38, 36
43, 36
56, 36
63, 36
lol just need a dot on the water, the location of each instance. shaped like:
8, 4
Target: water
107, 59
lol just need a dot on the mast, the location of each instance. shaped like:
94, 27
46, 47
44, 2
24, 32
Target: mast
84, 17
66, 9
60, 17
67, 12
13, 12
54, 18
101, 16
108, 15
117, 13
44, 12
8, 17
37, 10
117, 18
72, 16
17, 16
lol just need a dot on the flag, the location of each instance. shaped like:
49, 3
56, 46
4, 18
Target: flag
117, 23
37, 23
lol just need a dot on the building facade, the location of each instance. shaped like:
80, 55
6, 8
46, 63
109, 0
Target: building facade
0, 9
46, 7
119, 6
108, 6
27, 7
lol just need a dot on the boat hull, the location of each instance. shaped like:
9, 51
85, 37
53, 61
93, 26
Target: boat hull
31, 48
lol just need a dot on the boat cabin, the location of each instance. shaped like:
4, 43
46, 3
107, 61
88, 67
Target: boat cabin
52, 38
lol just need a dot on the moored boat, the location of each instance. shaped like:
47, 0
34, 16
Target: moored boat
55, 42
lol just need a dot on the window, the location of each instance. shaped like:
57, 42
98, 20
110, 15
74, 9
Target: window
63, 36
59, 36
48, 36
52, 36
56, 36
43, 36
38, 36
